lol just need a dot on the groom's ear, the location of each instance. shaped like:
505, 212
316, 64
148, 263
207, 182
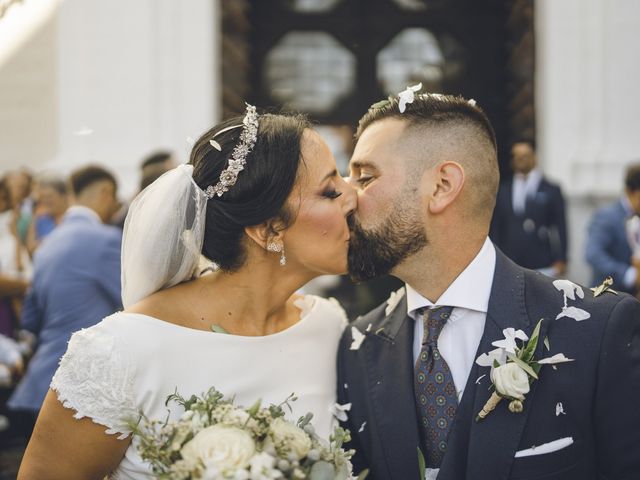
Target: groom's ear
445, 184
263, 233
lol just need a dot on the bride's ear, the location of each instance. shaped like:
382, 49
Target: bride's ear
264, 233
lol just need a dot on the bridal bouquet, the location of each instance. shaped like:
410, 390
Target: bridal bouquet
215, 439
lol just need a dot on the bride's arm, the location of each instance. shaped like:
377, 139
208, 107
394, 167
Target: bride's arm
63, 447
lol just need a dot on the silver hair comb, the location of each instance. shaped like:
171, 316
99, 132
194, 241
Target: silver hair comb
238, 159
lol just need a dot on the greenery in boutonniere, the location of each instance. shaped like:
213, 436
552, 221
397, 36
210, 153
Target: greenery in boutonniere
513, 368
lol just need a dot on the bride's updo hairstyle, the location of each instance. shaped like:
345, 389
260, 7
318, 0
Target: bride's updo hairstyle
261, 190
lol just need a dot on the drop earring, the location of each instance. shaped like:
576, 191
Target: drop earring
277, 248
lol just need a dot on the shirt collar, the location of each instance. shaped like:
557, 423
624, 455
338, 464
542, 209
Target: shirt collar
82, 211
531, 180
470, 290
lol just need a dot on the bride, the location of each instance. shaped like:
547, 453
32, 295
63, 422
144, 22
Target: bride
261, 198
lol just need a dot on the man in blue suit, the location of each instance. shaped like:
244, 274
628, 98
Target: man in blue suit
76, 281
529, 223
427, 179
608, 250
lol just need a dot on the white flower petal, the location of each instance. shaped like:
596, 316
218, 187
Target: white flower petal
569, 288
393, 300
215, 145
361, 429
573, 312
358, 337
340, 411
83, 131
471, 102
480, 378
559, 409
486, 359
557, 358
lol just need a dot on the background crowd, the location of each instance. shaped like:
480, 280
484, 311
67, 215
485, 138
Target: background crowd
60, 244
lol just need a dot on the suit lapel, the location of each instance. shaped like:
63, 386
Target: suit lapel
389, 356
493, 442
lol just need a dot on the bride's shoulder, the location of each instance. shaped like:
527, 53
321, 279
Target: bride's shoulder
329, 309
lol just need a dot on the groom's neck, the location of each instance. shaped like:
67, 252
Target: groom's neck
432, 270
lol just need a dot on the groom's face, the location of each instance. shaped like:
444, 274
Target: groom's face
387, 225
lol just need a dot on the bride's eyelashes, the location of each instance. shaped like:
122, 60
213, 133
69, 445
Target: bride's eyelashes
331, 193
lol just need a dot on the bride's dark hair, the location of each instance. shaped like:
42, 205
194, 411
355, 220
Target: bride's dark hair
261, 190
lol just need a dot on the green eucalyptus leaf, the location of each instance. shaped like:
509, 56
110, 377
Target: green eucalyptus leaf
532, 344
422, 465
525, 366
380, 104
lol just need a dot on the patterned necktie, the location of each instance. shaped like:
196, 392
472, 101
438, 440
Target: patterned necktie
435, 392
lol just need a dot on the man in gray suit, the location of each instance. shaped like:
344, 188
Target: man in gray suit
76, 281
412, 369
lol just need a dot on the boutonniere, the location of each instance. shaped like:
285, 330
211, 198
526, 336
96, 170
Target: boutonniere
604, 287
513, 368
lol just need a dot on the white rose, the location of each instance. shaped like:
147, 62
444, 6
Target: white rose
510, 380
225, 447
294, 439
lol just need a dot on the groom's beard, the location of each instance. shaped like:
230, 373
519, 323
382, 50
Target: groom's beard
376, 252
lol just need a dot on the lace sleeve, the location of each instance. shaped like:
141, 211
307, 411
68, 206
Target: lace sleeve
95, 378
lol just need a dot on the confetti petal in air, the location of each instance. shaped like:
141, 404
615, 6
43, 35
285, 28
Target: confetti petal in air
215, 145
83, 131
557, 358
340, 411
560, 409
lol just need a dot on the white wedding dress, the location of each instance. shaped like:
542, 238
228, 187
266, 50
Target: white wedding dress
130, 363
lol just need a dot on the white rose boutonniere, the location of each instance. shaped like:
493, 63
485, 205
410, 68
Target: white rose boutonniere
510, 380
513, 368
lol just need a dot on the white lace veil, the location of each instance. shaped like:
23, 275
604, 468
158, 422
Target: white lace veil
163, 235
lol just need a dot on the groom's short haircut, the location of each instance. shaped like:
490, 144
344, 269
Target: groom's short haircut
441, 125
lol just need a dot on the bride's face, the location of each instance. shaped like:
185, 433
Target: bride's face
318, 240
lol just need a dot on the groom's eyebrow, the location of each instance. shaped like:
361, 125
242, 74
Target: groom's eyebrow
360, 164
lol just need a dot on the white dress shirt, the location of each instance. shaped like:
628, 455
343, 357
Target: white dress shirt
469, 295
524, 186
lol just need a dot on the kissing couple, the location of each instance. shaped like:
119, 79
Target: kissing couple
261, 198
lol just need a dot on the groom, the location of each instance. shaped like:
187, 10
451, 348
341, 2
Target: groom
427, 181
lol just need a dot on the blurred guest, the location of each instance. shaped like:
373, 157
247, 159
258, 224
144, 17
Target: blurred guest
76, 281
529, 223
52, 203
19, 184
608, 250
151, 168
15, 265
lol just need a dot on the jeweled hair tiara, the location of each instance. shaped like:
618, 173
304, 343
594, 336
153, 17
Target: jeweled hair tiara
238, 160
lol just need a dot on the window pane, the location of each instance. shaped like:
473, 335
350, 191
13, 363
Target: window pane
310, 71
308, 6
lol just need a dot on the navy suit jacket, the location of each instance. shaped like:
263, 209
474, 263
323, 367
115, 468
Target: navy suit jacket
76, 283
537, 237
607, 249
598, 390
